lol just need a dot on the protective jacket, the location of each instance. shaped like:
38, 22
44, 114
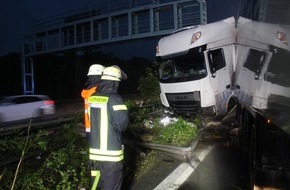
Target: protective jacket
91, 87
86, 93
109, 118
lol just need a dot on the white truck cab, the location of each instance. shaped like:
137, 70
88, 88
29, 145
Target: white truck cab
196, 66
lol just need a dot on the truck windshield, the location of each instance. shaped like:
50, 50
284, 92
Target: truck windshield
188, 67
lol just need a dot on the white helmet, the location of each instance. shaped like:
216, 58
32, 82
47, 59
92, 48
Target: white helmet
113, 73
96, 69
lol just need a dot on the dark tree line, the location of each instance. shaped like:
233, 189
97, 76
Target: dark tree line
10, 74
62, 76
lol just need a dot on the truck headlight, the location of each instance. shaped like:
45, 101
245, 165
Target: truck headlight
195, 37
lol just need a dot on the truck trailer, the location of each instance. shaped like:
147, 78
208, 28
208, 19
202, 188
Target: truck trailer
262, 88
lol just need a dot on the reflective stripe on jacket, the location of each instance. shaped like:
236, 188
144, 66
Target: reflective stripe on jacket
109, 118
86, 93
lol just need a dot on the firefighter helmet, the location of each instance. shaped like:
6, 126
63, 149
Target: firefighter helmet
96, 69
113, 73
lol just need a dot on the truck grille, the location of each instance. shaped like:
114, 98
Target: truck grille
184, 103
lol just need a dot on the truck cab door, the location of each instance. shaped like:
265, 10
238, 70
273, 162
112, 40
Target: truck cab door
261, 87
252, 89
220, 64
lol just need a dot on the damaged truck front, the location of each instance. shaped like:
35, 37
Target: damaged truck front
196, 66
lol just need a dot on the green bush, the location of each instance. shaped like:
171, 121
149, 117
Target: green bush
61, 162
179, 133
136, 113
149, 85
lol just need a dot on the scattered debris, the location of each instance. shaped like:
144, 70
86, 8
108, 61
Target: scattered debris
168, 120
148, 124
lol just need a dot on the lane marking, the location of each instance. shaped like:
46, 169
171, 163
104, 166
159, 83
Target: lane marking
181, 173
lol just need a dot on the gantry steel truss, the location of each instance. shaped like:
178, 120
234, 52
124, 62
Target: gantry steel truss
117, 21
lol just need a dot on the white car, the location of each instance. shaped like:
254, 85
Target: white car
19, 107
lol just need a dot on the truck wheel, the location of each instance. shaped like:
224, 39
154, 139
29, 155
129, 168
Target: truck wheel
231, 104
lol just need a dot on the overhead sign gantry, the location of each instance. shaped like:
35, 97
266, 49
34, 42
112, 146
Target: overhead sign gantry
113, 22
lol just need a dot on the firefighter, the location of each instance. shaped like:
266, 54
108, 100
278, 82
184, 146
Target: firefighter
109, 118
94, 76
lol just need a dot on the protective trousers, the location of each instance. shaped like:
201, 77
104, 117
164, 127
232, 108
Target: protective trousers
107, 175
95, 175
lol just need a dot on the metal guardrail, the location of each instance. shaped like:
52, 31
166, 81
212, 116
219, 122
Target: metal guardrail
10, 127
185, 154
